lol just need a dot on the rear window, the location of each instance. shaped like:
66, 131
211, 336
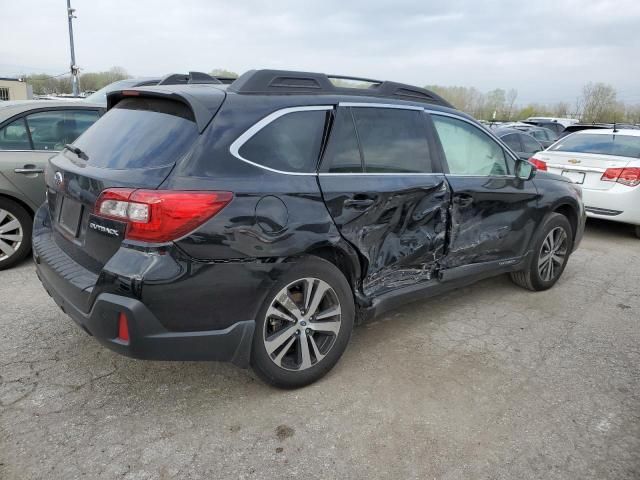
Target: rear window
290, 143
603, 144
140, 133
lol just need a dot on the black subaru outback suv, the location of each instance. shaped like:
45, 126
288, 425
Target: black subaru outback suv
257, 222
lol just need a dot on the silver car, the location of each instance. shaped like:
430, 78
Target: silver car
30, 133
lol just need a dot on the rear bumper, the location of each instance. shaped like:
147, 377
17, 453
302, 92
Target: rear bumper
148, 339
619, 204
73, 288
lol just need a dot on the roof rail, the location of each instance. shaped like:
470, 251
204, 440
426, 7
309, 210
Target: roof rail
290, 82
190, 78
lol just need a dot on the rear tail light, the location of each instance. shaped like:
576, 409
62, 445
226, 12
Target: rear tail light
539, 164
159, 215
625, 176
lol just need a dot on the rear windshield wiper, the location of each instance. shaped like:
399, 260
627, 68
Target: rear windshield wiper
77, 151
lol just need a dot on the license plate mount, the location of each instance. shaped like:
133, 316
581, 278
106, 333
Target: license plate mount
575, 177
70, 215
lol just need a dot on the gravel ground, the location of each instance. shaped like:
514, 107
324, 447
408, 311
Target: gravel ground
488, 382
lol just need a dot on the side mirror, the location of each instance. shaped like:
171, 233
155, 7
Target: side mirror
525, 170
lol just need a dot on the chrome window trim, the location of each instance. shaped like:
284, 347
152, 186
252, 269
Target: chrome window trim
407, 174
483, 130
237, 144
31, 151
380, 105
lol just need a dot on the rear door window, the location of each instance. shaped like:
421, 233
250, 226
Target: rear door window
343, 154
14, 136
290, 143
393, 140
53, 129
603, 144
140, 133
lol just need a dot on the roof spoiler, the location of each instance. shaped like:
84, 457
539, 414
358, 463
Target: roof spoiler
203, 102
291, 82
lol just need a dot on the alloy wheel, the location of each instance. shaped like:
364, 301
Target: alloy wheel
302, 324
10, 234
553, 254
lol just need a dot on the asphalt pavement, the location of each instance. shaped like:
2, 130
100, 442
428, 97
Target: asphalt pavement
487, 382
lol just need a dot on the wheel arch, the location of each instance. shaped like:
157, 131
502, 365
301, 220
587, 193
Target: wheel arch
344, 259
19, 201
571, 213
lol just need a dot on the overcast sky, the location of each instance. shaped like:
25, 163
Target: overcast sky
546, 49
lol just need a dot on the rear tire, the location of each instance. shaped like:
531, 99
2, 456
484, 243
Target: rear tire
304, 325
15, 233
551, 250
638, 231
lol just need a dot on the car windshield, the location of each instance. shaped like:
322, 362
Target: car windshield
613, 144
101, 95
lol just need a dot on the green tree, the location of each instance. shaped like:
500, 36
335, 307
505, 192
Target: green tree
221, 72
598, 103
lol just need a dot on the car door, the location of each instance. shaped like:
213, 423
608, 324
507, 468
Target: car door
493, 213
381, 183
28, 141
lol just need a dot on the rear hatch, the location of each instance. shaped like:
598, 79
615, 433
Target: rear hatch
134, 145
585, 157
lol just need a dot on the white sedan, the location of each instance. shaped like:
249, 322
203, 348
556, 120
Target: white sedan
607, 165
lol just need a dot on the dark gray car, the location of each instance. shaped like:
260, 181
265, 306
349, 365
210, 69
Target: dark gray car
30, 133
523, 144
543, 135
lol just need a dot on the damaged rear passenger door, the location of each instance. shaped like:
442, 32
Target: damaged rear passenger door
379, 178
493, 213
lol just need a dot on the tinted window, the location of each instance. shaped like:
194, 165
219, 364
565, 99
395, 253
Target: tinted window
14, 136
53, 129
342, 154
554, 127
468, 150
538, 134
140, 133
290, 143
512, 141
393, 140
605, 144
529, 144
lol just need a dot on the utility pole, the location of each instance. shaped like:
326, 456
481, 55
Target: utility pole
74, 67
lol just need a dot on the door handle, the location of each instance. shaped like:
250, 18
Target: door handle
360, 201
27, 169
464, 200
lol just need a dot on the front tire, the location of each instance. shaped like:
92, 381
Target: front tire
304, 325
15, 233
638, 231
551, 251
